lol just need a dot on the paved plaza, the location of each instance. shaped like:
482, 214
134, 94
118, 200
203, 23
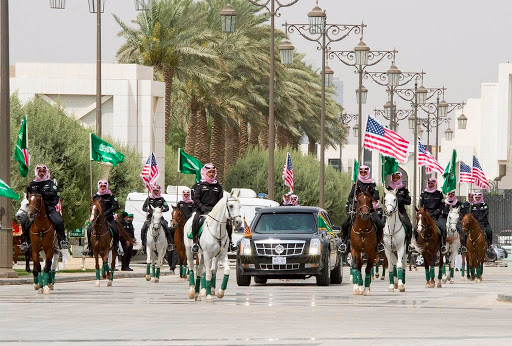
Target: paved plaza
294, 312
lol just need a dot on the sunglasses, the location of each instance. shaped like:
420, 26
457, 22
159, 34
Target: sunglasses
41, 169
103, 184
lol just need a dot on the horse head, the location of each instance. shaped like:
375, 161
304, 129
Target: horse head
95, 211
425, 223
157, 217
467, 222
364, 205
453, 219
23, 208
35, 206
177, 217
233, 210
390, 202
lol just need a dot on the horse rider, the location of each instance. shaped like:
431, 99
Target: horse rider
364, 183
286, 200
126, 222
49, 191
109, 205
206, 194
186, 204
403, 198
480, 211
294, 200
450, 201
155, 200
432, 200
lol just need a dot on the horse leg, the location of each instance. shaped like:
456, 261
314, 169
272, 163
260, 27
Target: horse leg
148, 262
199, 275
208, 268
55, 265
452, 265
215, 266
355, 277
190, 263
28, 256
38, 279
377, 263
46, 273
471, 264
97, 261
401, 255
225, 278
389, 256
441, 271
112, 259
368, 277
427, 272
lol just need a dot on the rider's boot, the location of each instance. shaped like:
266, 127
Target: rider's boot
170, 241
195, 247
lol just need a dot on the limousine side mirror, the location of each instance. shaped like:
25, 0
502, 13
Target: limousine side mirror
336, 229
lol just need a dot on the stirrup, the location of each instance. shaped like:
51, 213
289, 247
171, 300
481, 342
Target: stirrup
24, 246
444, 249
380, 247
120, 251
463, 250
170, 247
195, 248
342, 248
64, 244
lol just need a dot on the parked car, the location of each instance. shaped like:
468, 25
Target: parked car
496, 253
288, 243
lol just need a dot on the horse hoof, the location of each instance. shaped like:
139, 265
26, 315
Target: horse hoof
452, 281
213, 291
439, 285
156, 280
383, 278
97, 284
478, 280
444, 281
109, 283
355, 292
46, 290
395, 285
367, 292
377, 275
361, 290
50, 286
191, 293
220, 295
104, 276
36, 287
148, 277
209, 299
401, 288
40, 291
202, 292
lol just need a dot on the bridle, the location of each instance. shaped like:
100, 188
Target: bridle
31, 207
365, 215
229, 219
393, 212
423, 228
468, 231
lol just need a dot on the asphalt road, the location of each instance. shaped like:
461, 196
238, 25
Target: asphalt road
136, 312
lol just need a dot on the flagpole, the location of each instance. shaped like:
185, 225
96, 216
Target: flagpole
28, 153
90, 160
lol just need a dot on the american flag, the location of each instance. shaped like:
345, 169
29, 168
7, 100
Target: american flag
465, 173
247, 230
150, 171
478, 175
288, 172
385, 141
426, 159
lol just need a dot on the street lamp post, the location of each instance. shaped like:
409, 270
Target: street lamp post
323, 34
360, 58
345, 120
273, 7
5, 145
98, 7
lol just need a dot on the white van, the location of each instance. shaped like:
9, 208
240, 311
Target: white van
135, 201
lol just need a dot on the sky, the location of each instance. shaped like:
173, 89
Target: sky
458, 43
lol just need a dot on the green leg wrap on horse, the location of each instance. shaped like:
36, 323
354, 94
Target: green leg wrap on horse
97, 274
52, 276
440, 274
432, 272
203, 280
452, 272
395, 272
112, 275
40, 279
214, 279
372, 272
224, 284
444, 269
377, 267
198, 284
208, 287
462, 270
383, 271
401, 274
391, 277
153, 271
427, 274
472, 271
35, 280
478, 272
367, 280
359, 278
190, 277
148, 268
46, 278
157, 273
183, 270
482, 269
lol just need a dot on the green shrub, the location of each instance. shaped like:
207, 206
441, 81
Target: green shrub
62, 144
251, 172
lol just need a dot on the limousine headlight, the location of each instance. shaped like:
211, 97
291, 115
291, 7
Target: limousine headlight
314, 247
245, 247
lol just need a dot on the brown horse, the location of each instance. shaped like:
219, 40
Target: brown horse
178, 221
363, 238
16, 243
43, 238
429, 243
102, 243
476, 245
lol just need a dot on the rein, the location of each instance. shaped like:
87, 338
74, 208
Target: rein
225, 235
470, 230
43, 231
394, 229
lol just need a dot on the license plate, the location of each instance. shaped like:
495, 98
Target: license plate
278, 260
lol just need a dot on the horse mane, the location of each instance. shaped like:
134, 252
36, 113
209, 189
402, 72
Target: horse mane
428, 219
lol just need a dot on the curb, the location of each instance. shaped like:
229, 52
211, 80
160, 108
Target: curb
506, 298
80, 277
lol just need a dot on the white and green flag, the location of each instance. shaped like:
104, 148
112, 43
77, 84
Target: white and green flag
7, 192
103, 151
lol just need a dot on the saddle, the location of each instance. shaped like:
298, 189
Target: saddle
199, 226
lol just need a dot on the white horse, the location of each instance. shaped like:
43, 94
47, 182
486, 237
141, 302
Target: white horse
394, 242
156, 246
213, 246
453, 241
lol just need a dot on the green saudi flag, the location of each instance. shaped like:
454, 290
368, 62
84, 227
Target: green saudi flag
323, 224
188, 164
21, 150
450, 178
356, 171
103, 151
389, 166
7, 192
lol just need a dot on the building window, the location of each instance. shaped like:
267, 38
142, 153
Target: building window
367, 158
336, 164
